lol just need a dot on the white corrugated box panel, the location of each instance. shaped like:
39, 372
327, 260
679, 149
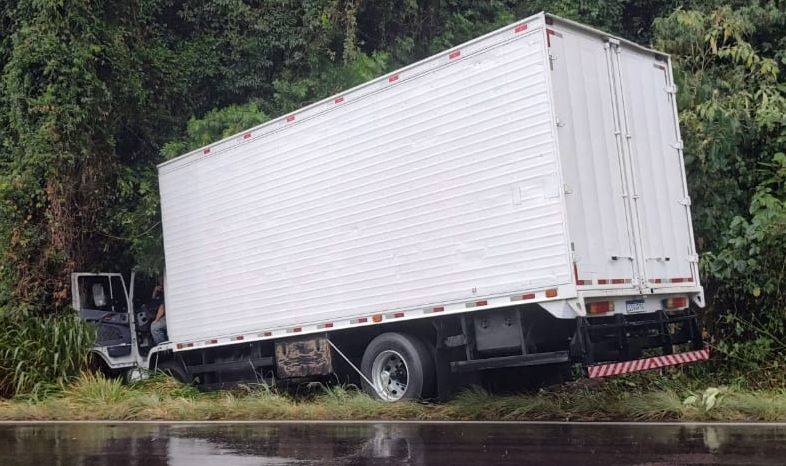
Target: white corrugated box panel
433, 185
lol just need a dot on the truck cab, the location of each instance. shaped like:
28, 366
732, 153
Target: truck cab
122, 309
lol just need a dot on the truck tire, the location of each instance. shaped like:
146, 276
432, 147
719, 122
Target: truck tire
400, 366
174, 369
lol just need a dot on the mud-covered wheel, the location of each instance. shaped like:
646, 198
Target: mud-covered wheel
399, 366
175, 370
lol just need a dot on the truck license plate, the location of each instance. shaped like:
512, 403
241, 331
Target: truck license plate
634, 306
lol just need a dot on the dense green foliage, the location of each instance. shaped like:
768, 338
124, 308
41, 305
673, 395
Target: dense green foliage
94, 94
730, 65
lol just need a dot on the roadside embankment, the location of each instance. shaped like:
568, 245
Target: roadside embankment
648, 397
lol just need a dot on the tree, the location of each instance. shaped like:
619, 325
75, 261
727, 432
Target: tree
729, 65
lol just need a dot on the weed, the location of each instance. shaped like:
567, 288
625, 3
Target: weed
40, 355
93, 389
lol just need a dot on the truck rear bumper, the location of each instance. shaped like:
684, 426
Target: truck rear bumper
627, 338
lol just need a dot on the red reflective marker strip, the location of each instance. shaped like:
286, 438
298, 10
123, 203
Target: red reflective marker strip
338, 100
603, 281
297, 329
393, 78
617, 281
520, 28
455, 54
682, 280
206, 151
438, 309
247, 135
267, 334
481, 303
290, 118
212, 342
619, 368
238, 338
522, 297
584, 282
396, 315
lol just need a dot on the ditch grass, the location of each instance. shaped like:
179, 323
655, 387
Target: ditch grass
646, 397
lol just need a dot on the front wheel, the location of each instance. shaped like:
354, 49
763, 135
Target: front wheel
174, 369
399, 366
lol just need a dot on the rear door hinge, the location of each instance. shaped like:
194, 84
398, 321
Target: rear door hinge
671, 89
693, 258
685, 201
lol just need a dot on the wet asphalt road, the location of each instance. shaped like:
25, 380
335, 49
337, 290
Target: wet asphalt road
389, 443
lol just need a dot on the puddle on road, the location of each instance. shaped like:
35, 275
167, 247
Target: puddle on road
389, 443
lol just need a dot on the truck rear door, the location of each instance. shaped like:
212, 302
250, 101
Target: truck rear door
646, 94
621, 151
593, 163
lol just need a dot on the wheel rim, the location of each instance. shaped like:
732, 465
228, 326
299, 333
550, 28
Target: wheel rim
390, 375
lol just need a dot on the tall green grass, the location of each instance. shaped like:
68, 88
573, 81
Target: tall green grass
650, 397
41, 354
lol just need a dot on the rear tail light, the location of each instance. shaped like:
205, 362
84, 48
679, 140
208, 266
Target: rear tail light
552, 293
675, 303
600, 307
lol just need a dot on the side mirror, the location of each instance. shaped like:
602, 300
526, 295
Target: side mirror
99, 298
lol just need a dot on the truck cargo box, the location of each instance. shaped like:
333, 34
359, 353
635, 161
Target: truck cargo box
541, 162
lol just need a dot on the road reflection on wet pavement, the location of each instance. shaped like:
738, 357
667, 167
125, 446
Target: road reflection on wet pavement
390, 443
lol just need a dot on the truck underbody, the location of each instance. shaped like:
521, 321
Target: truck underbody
463, 350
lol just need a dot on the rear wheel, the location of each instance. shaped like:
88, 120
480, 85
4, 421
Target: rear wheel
399, 366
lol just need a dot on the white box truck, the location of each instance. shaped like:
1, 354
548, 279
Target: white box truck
519, 200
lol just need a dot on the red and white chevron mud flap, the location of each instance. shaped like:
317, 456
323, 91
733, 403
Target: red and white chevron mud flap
619, 368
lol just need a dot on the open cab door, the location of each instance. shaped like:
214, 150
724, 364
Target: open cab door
102, 299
